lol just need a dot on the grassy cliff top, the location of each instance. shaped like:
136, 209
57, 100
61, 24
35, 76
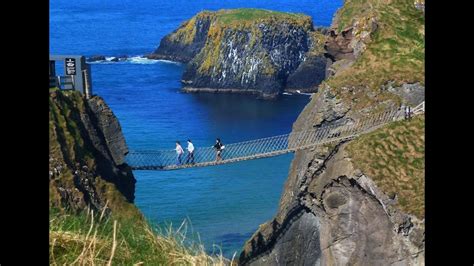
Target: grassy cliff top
394, 157
229, 16
245, 19
395, 52
237, 18
92, 239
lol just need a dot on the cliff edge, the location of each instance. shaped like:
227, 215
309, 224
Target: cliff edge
359, 201
87, 156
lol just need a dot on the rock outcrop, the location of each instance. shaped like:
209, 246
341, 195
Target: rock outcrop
186, 42
96, 58
333, 211
247, 51
87, 156
411, 94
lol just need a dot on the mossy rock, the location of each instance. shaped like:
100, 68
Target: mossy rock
244, 49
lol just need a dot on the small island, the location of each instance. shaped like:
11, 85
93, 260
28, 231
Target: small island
247, 50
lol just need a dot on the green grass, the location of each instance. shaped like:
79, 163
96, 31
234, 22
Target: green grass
348, 11
78, 237
395, 52
238, 20
65, 134
233, 18
252, 14
89, 238
393, 157
243, 19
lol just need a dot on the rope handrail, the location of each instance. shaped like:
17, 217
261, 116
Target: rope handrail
264, 147
420, 108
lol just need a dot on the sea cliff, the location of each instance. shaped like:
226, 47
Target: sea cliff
92, 218
359, 201
87, 156
253, 51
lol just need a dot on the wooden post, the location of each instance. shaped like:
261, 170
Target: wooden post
73, 81
87, 85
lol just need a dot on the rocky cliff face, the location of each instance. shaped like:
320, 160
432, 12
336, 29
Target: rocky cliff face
247, 51
360, 201
186, 42
87, 149
332, 212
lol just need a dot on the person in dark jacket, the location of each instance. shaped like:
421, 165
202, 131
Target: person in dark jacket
218, 147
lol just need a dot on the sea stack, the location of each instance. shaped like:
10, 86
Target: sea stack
253, 51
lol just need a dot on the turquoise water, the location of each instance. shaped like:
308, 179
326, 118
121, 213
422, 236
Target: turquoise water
225, 204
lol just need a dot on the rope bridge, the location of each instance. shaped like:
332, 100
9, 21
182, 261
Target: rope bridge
265, 147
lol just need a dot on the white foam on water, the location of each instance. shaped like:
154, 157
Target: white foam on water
103, 62
139, 60
168, 61
303, 93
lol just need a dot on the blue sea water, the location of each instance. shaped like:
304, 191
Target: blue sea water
224, 204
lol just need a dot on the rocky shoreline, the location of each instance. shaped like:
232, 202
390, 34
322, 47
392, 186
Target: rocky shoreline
174, 58
101, 58
231, 91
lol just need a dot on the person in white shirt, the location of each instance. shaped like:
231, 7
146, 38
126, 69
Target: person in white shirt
190, 152
179, 152
407, 112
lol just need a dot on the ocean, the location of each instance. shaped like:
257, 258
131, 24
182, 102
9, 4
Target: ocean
223, 205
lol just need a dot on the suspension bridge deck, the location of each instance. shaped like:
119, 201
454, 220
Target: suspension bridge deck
266, 147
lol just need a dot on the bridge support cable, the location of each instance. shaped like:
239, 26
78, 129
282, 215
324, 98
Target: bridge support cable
266, 147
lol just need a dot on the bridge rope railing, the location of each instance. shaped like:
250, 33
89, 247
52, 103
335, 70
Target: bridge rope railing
419, 109
265, 147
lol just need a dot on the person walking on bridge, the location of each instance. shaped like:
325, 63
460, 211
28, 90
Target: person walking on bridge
407, 112
190, 152
218, 147
179, 152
